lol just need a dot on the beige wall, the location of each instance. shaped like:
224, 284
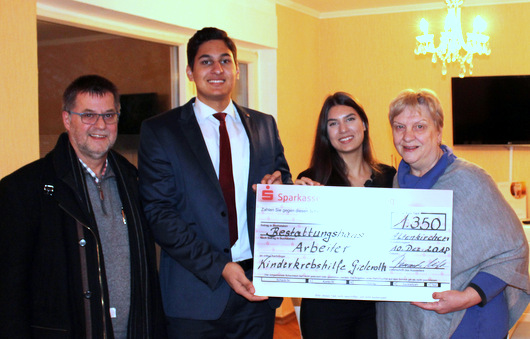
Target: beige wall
372, 57
19, 128
299, 96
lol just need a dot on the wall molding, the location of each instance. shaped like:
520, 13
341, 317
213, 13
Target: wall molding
390, 9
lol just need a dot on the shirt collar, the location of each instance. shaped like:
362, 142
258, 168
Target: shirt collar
91, 172
203, 111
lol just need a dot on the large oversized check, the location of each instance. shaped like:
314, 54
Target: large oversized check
352, 243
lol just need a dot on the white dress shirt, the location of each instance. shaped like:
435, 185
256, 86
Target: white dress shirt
240, 148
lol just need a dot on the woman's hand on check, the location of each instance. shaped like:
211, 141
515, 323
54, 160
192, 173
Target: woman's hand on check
451, 301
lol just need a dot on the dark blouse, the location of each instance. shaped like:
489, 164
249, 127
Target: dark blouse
332, 318
381, 179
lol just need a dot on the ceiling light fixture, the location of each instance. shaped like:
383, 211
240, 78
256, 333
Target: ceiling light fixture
452, 46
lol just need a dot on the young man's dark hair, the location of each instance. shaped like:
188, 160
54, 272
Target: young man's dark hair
207, 34
92, 84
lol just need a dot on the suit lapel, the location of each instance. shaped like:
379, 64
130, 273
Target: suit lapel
253, 137
192, 133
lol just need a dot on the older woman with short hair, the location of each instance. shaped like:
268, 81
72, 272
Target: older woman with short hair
489, 272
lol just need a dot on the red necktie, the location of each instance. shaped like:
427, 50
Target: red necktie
226, 178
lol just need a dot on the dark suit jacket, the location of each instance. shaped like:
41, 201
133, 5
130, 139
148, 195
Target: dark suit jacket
184, 204
41, 267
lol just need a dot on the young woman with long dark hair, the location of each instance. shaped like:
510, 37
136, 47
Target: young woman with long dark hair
342, 156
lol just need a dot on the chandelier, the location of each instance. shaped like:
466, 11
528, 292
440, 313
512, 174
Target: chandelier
452, 46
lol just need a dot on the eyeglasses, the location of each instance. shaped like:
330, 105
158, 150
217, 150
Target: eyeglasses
92, 118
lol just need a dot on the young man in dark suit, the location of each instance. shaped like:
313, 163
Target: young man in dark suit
205, 225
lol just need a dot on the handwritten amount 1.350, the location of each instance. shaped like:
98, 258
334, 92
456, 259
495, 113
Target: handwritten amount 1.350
422, 221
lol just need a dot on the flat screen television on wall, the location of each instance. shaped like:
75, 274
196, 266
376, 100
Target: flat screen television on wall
135, 108
491, 110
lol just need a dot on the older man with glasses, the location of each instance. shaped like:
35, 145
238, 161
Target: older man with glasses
76, 257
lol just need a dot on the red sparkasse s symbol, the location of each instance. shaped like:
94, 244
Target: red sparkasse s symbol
267, 194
